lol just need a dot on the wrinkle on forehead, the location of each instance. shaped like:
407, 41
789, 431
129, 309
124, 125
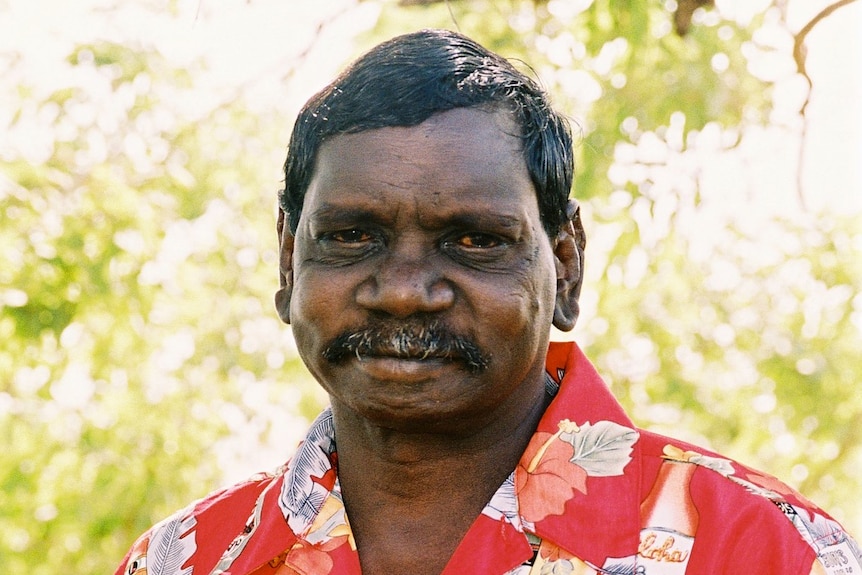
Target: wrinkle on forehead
455, 164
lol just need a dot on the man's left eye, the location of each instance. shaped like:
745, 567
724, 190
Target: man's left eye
478, 241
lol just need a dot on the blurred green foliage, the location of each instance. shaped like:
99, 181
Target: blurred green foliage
138, 256
141, 357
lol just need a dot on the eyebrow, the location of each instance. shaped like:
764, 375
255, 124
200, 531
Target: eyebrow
336, 214
331, 213
481, 219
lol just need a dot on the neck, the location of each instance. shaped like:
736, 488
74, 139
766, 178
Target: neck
427, 458
423, 487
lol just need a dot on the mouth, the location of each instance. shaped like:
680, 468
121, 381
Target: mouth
403, 369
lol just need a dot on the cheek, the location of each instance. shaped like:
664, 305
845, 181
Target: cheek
315, 307
524, 304
538, 282
314, 324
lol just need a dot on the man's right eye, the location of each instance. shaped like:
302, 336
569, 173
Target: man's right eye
352, 236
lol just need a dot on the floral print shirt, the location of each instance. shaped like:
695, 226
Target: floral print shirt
591, 494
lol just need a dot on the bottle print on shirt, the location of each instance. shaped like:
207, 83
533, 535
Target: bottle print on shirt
669, 521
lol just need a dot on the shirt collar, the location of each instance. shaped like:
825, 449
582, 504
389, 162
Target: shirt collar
578, 481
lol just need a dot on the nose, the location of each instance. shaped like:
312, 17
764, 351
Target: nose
405, 284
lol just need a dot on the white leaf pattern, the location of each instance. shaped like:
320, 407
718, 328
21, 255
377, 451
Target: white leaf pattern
602, 449
619, 566
717, 464
504, 504
301, 498
171, 545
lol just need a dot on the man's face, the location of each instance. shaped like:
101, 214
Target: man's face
423, 283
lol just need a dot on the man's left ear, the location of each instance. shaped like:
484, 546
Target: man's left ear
285, 269
569, 258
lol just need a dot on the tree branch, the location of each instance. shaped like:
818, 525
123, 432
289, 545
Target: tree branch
799, 51
799, 56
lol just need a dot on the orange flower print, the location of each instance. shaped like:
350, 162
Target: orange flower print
550, 552
552, 559
306, 558
549, 479
555, 466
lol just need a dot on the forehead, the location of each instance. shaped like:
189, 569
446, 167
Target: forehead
463, 157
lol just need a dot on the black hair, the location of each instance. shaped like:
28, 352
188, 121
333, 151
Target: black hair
406, 80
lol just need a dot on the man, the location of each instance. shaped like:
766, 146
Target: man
427, 246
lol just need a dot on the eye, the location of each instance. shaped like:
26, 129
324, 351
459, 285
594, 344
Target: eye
478, 240
351, 236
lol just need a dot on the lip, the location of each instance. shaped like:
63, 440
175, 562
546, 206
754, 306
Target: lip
403, 370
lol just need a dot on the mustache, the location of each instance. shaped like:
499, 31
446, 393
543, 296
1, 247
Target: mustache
428, 340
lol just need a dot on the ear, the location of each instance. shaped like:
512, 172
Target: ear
569, 257
285, 268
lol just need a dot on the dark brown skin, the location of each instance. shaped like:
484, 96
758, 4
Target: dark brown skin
437, 221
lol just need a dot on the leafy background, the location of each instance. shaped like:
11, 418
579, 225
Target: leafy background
142, 364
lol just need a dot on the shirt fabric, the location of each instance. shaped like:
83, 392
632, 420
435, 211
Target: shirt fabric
591, 494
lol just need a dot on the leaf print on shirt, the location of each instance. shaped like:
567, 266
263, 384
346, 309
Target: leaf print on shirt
603, 449
555, 466
717, 464
503, 505
310, 475
171, 545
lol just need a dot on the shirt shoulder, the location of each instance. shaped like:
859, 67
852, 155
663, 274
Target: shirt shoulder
738, 516
193, 538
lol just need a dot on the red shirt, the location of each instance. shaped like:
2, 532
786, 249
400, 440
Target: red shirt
591, 494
